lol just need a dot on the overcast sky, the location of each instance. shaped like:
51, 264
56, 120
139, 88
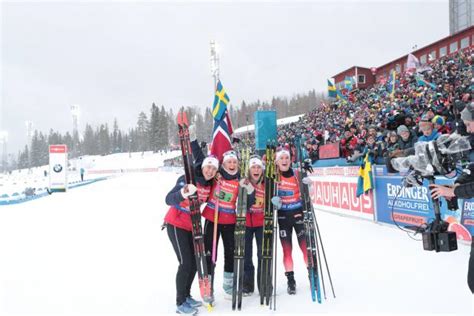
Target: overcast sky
114, 59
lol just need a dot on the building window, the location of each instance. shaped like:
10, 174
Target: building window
465, 42
432, 55
453, 47
442, 51
398, 68
360, 78
423, 59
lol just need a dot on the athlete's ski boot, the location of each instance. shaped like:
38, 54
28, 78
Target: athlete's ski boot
291, 283
192, 302
227, 285
186, 309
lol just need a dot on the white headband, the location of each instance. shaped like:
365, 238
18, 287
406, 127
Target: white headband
282, 152
210, 161
229, 154
255, 161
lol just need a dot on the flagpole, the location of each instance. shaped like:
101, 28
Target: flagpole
215, 69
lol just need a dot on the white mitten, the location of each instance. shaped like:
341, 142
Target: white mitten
245, 183
188, 190
276, 201
306, 180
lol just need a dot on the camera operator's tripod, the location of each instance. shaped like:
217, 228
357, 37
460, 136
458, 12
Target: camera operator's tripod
435, 234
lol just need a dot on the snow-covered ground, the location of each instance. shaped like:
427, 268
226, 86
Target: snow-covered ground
100, 250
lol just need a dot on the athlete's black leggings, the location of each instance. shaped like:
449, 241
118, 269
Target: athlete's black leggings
227, 233
182, 241
287, 221
249, 268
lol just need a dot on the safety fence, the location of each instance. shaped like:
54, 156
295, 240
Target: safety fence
16, 197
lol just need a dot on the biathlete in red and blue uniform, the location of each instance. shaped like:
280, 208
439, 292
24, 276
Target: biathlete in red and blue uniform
254, 226
290, 214
179, 226
224, 193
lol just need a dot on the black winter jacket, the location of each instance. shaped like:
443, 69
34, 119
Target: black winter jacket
465, 189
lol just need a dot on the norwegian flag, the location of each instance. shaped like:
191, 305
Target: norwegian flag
222, 136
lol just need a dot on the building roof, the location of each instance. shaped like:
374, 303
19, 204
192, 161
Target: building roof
466, 30
350, 69
426, 46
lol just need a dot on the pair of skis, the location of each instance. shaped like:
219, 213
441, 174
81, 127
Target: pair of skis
312, 233
269, 241
195, 212
239, 234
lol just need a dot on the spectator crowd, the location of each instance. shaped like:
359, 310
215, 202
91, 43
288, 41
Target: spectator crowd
424, 105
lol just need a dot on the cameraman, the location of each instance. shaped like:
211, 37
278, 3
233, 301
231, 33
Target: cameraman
463, 187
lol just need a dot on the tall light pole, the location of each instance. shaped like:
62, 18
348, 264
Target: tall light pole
75, 111
215, 50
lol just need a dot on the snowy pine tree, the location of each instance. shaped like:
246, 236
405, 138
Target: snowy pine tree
154, 128
90, 142
115, 137
142, 132
163, 141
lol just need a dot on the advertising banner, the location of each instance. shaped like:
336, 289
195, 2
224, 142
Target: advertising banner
58, 168
329, 151
467, 216
334, 189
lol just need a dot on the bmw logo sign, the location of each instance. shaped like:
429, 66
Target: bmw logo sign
58, 168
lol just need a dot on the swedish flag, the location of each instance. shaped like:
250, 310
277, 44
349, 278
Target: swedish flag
331, 90
220, 102
348, 83
365, 182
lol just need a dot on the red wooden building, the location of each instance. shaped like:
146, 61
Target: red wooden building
367, 77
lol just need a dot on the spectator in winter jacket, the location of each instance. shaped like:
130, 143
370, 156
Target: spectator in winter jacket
223, 199
406, 138
392, 143
426, 127
348, 143
373, 149
440, 125
254, 225
179, 227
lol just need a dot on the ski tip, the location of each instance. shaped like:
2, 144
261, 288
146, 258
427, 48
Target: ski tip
179, 118
185, 119
210, 308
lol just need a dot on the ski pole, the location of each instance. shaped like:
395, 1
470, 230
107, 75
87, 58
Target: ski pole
324, 254
216, 219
